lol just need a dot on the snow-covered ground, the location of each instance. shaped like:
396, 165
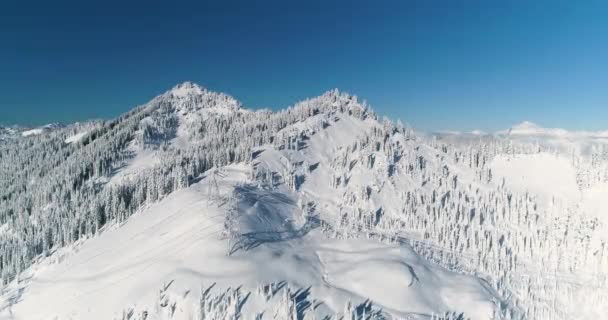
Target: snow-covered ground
179, 241
141, 160
545, 175
75, 138
32, 132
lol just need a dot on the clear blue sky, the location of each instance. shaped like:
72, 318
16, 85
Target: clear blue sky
434, 64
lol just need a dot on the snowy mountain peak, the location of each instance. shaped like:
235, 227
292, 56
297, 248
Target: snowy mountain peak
189, 97
186, 89
341, 101
340, 96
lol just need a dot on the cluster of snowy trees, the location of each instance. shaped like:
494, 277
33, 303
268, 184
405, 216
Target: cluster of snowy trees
452, 211
278, 301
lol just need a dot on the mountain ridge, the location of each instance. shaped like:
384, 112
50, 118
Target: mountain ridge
250, 186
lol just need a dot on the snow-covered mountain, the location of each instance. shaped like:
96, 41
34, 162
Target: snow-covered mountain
194, 207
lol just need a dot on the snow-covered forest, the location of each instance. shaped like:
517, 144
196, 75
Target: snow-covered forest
517, 217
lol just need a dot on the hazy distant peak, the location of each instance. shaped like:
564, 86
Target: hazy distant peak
531, 128
528, 128
526, 125
478, 132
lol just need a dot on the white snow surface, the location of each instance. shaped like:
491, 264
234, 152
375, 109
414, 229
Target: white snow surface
142, 159
551, 177
75, 138
537, 174
32, 132
185, 89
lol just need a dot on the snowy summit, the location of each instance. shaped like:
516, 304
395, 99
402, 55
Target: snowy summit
187, 89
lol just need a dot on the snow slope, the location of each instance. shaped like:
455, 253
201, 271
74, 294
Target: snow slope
179, 241
537, 173
75, 138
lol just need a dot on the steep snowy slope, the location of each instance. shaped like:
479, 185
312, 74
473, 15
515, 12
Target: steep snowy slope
304, 210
